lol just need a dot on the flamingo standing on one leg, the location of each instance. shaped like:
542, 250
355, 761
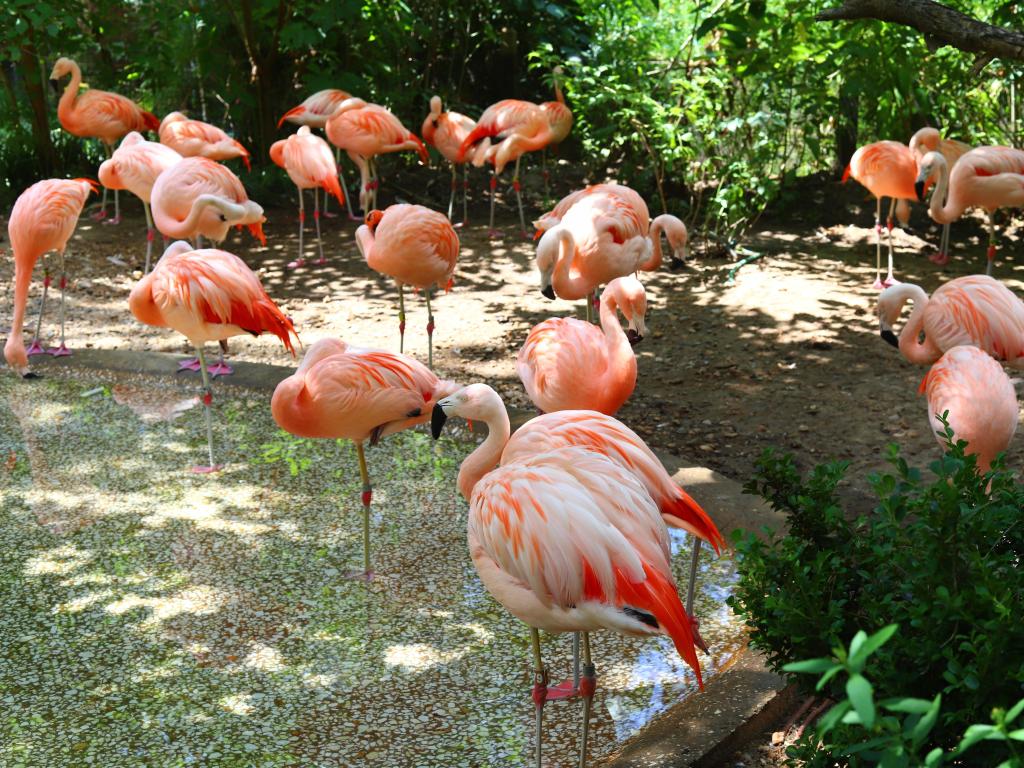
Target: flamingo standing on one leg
366, 131
194, 138
887, 169
446, 131
43, 218
207, 295
979, 398
559, 118
343, 391
519, 127
309, 163
198, 198
986, 177
414, 246
134, 166
929, 140
98, 114
568, 539
314, 112
569, 364
976, 310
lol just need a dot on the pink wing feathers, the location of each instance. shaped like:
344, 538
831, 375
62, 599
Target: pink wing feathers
415, 245
980, 311
44, 215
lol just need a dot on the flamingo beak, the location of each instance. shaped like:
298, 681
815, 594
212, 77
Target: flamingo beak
919, 189
889, 337
30, 375
634, 337
548, 291
437, 419
55, 84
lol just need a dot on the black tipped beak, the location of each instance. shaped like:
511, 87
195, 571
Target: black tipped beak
676, 264
634, 337
548, 291
919, 189
889, 337
31, 375
437, 419
55, 84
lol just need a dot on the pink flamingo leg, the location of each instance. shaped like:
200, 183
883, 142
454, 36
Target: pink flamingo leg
150, 235
401, 318
878, 245
991, 252
62, 350
451, 197
300, 261
207, 406
316, 218
519, 201
465, 194
366, 497
889, 279
117, 210
102, 212
430, 332
36, 348
539, 694
491, 231
192, 364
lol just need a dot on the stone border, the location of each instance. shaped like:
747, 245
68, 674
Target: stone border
702, 730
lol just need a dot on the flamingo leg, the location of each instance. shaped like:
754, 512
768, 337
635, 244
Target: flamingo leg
430, 332
878, 244
539, 692
367, 496
588, 684
491, 231
691, 591
316, 219
465, 193
199, 242
889, 279
401, 318
544, 173
991, 253
35, 348
300, 261
101, 214
519, 201
220, 368
207, 405
62, 350
344, 187
451, 197
375, 182
150, 235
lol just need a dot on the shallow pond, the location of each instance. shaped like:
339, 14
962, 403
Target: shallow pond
153, 616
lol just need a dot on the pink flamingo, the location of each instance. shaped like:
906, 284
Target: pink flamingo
520, 127
559, 118
978, 399
309, 163
569, 364
43, 219
207, 295
194, 138
343, 391
929, 140
365, 131
887, 169
98, 114
414, 246
446, 131
986, 177
314, 112
134, 166
977, 310
568, 539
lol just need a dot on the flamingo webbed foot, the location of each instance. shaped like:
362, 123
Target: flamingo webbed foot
889, 281
296, 264
115, 220
220, 368
364, 576
99, 215
61, 351
878, 285
495, 234
204, 469
940, 258
192, 364
35, 349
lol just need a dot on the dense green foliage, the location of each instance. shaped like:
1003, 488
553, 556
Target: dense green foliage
711, 109
939, 558
892, 732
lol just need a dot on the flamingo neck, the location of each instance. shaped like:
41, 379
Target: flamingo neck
488, 453
364, 241
67, 100
655, 261
558, 91
620, 352
942, 210
566, 286
913, 350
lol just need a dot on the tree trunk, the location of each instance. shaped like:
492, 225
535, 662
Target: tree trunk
46, 155
847, 119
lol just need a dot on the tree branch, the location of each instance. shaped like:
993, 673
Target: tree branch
940, 24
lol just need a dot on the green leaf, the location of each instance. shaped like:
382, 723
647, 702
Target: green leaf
1015, 710
925, 725
861, 695
811, 666
871, 644
934, 758
909, 706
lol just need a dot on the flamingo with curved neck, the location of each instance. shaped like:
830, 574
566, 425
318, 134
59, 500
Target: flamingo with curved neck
678, 240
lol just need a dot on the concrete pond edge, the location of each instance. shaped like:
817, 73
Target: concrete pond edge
700, 731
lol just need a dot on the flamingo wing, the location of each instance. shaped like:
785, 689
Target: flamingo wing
559, 357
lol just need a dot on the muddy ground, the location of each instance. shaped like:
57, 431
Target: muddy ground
789, 355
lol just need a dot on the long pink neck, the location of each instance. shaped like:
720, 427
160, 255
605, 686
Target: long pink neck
558, 91
565, 286
941, 209
622, 361
66, 106
488, 453
655, 261
918, 353
364, 240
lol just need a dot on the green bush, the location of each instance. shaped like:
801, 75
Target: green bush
891, 732
940, 558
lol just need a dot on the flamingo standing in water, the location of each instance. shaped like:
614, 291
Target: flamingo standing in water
567, 536
446, 131
887, 169
343, 391
308, 161
569, 364
134, 166
986, 177
559, 118
414, 246
98, 114
929, 140
207, 295
365, 131
979, 398
194, 138
977, 310
519, 127
314, 112
43, 219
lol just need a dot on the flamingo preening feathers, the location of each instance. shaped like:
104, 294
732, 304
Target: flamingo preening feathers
928, 140
194, 138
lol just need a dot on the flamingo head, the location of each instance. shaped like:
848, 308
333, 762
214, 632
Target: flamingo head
373, 219
890, 303
63, 67
932, 165
477, 401
925, 140
547, 256
627, 294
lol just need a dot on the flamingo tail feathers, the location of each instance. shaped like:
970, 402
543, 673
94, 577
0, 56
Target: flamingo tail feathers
846, 174
256, 230
684, 512
330, 183
478, 133
257, 317
291, 113
152, 121
421, 148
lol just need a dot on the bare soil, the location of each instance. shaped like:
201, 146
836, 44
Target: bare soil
788, 355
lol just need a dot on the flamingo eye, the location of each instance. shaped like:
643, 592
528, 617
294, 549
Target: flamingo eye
435, 122
223, 217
